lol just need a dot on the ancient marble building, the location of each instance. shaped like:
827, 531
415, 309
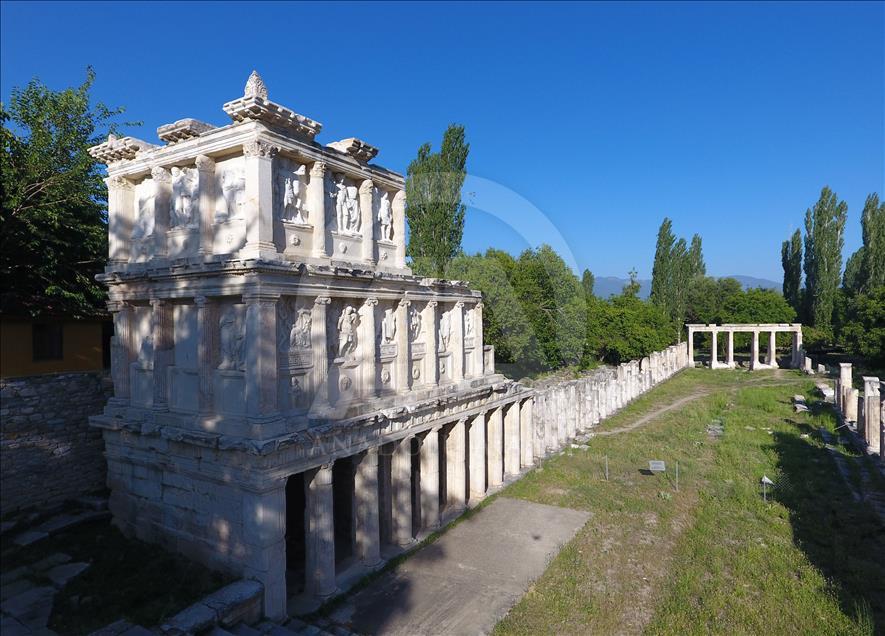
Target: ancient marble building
291, 403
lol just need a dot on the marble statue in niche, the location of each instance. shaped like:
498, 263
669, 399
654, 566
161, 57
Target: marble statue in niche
144, 223
414, 323
230, 327
385, 216
296, 390
445, 331
347, 206
347, 332
468, 323
299, 335
146, 352
388, 326
184, 197
289, 192
233, 192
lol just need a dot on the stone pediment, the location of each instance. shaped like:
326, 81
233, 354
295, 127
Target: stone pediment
356, 148
183, 129
119, 149
255, 106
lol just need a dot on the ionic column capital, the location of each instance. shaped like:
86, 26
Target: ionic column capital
322, 300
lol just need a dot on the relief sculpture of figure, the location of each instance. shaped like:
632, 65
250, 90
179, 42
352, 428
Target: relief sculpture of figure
347, 328
468, 323
340, 202
353, 209
299, 335
347, 206
291, 203
388, 326
445, 331
414, 323
385, 217
144, 224
184, 187
232, 192
231, 337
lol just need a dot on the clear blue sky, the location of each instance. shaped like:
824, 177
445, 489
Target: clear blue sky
599, 118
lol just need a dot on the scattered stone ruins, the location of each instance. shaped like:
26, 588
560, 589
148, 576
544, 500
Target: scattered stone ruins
290, 403
796, 357
864, 411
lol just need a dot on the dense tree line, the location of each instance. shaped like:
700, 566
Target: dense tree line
54, 202
853, 315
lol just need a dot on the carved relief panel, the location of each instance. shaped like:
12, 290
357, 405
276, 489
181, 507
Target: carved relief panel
229, 218
141, 371
387, 329
383, 216
344, 203
229, 386
345, 351
295, 347
293, 223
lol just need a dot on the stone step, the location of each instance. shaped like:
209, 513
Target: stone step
218, 631
279, 630
241, 629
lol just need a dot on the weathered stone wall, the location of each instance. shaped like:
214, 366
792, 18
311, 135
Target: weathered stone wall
565, 408
48, 451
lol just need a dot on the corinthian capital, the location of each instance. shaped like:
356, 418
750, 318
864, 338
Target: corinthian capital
159, 173
259, 148
318, 169
204, 163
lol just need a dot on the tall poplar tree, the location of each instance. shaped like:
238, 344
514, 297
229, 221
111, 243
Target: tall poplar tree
791, 259
587, 282
433, 202
696, 265
824, 240
662, 270
872, 223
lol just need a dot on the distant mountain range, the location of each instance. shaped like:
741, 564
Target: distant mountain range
606, 286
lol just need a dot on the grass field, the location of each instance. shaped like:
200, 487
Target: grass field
712, 557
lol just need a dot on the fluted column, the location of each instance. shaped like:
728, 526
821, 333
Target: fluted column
316, 206
729, 360
261, 353
121, 218
258, 206
754, 351
871, 409
398, 207
690, 347
477, 340
430, 479
367, 220
161, 329
206, 188
511, 439
526, 433
477, 450
431, 355
772, 348
714, 348
403, 372
368, 539
320, 533
401, 487
122, 350
797, 349
206, 348
456, 467
319, 348
495, 452
162, 202
370, 348
845, 385
457, 341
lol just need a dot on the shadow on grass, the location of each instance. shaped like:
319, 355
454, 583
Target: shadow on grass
844, 539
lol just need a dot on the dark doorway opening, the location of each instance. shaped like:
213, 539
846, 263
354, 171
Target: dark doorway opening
295, 534
342, 506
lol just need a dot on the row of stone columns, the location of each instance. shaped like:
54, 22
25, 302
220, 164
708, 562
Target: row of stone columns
566, 409
770, 360
479, 452
866, 410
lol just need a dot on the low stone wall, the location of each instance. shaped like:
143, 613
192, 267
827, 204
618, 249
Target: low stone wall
48, 451
563, 409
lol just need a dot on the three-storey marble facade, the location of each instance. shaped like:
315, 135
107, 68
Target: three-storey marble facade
291, 403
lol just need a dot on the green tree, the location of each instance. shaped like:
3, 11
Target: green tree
505, 325
587, 282
662, 269
864, 329
791, 260
54, 215
872, 223
696, 265
854, 276
824, 228
553, 300
433, 202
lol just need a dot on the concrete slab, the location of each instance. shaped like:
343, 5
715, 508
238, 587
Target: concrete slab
468, 580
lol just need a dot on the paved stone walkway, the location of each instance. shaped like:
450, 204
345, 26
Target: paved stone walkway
467, 580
